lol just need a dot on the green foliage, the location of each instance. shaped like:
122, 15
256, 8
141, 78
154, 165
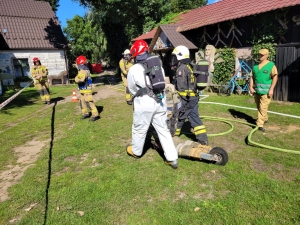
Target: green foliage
267, 28
168, 18
121, 21
269, 46
86, 38
54, 4
224, 70
178, 6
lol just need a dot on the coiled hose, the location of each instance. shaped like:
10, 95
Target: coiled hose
225, 120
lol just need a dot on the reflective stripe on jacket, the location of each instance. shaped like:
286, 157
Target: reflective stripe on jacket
185, 80
262, 78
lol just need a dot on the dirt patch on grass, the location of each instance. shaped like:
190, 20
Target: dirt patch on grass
29, 152
275, 171
287, 129
26, 155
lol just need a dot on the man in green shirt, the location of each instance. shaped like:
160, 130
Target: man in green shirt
262, 85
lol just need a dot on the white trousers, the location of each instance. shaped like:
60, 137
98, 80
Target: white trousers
147, 111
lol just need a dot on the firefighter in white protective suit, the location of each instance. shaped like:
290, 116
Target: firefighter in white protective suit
147, 110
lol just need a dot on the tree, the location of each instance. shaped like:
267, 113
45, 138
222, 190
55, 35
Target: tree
85, 38
54, 4
178, 6
123, 20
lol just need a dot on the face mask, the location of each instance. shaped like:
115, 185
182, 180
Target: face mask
174, 60
127, 57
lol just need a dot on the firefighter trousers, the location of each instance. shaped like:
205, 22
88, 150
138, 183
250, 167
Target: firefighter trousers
43, 88
189, 110
128, 96
87, 104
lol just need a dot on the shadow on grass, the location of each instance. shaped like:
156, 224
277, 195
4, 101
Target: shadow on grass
29, 97
57, 99
49, 164
241, 115
100, 109
23, 99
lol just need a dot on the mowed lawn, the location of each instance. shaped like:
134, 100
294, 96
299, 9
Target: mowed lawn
82, 175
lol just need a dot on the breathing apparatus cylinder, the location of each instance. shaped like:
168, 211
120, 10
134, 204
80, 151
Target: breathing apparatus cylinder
201, 73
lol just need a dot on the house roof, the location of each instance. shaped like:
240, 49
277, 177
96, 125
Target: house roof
224, 10
228, 10
148, 35
173, 36
29, 24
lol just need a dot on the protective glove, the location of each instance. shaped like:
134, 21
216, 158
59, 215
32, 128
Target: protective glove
90, 81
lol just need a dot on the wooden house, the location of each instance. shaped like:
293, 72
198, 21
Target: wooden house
238, 24
29, 29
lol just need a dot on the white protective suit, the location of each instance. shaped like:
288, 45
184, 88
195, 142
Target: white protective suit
147, 111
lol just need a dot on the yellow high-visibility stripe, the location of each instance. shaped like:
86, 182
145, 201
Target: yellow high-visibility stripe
200, 131
85, 91
186, 93
177, 132
199, 127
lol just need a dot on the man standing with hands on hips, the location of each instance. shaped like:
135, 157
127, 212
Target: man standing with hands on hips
262, 83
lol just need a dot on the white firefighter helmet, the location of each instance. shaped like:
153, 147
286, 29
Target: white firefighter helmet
181, 52
126, 52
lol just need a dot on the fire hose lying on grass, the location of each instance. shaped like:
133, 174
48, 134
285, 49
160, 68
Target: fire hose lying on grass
3, 104
217, 155
186, 148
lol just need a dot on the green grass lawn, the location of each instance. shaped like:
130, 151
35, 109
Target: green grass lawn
84, 176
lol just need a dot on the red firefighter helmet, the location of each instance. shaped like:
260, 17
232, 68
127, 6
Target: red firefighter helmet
81, 60
139, 47
35, 59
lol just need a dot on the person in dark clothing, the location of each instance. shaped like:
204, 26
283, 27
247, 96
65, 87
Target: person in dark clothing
185, 85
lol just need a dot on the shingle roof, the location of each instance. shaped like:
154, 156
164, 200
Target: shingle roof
148, 35
173, 36
228, 10
223, 11
29, 24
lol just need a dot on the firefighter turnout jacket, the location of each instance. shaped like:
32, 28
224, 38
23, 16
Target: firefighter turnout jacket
125, 66
39, 74
185, 81
84, 81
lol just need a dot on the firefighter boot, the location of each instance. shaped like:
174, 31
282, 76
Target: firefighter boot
129, 151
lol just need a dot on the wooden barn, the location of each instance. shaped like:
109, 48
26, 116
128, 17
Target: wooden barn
239, 24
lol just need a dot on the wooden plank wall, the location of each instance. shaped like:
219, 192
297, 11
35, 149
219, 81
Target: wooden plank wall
288, 65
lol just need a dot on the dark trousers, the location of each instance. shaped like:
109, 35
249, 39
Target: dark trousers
189, 109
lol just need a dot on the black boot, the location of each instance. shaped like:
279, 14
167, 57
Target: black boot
94, 118
203, 142
85, 116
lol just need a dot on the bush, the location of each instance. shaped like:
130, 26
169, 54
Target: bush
224, 70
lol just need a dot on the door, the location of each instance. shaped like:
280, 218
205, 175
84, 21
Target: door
288, 65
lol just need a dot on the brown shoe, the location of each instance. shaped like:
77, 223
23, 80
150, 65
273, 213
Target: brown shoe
129, 151
173, 164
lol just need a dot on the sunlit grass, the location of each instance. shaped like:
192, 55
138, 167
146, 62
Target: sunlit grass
91, 173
